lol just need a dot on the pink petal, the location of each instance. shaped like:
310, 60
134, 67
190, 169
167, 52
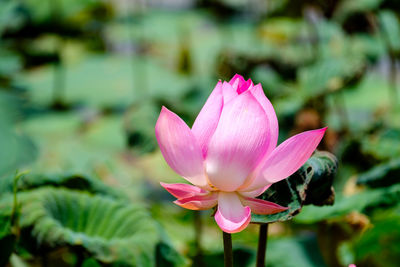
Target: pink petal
228, 92
231, 216
258, 93
183, 190
289, 156
240, 84
254, 193
259, 206
207, 120
180, 148
238, 143
199, 202
237, 79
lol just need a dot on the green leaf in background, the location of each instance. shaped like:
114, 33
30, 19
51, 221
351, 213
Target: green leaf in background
365, 202
311, 184
380, 245
349, 7
120, 82
139, 124
16, 148
302, 251
382, 175
383, 145
390, 27
70, 181
329, 75
108, 230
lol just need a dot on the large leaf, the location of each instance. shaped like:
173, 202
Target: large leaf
110, 231
311, 184
63, 180
71, 181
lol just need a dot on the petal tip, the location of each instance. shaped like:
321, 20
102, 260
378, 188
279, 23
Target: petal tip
233, 227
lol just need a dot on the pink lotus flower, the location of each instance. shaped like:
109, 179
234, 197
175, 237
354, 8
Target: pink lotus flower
231, 155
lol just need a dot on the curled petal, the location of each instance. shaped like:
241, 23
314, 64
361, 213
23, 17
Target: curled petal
240, 84
207, 120
238, 143
198, 202
231, 216
236, 79
254, 193
180, 148
183, 190
263, 207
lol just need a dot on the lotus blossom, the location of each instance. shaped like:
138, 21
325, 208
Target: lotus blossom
230, 156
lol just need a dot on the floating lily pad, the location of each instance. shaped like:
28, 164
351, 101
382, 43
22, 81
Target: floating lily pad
311, 184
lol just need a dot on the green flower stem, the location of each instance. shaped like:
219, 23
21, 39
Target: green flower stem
198, 227
228, 255
262, 245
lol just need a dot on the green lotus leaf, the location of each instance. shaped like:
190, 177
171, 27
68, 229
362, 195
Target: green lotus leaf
311, 184
110, 231
65, 180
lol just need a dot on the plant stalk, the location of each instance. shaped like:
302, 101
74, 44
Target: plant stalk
262, 245
198, 228
228, 255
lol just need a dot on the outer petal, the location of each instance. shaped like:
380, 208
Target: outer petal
255, 193
183, 190
180, 148
258, 93
287, 158
207, 120
238, 143
199, 202
228, 92
259, 206
231, 216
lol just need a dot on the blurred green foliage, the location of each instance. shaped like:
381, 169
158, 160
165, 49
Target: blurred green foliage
81, 86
